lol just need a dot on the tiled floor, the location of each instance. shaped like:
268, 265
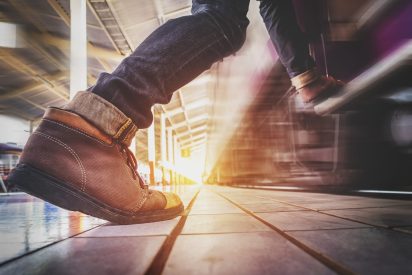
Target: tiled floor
225, 231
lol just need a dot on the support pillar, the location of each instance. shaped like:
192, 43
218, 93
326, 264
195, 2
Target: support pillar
151, 151
176, 158
78, 47
163, 146
170, 152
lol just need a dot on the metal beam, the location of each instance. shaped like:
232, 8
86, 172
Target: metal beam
195, 138
193, 130
27, 14
23, 68
33, 103
66, 19
33, 86
190, 106
192, 120
159, 11
60, 11
64, 44
122, 46
197, 142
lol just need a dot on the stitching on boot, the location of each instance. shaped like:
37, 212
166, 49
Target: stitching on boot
140, 205
79, 131
72, 152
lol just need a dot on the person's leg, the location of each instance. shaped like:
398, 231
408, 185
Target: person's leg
289, 41
78, 157
293, 49
172, 56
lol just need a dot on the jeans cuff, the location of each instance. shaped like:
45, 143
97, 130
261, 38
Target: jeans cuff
104, 115
304, 79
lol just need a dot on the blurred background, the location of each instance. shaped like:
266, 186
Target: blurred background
236, 124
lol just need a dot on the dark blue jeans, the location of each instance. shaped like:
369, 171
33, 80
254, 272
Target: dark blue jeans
181, 49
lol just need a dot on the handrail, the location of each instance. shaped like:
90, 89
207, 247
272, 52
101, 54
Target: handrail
367, 80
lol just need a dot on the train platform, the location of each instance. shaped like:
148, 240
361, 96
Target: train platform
224, 230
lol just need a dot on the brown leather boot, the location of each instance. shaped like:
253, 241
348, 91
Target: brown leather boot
72, 164
312, 86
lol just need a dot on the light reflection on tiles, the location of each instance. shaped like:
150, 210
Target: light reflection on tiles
28, 223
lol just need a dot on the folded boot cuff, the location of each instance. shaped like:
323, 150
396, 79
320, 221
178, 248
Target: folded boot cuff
304, 79
104, 115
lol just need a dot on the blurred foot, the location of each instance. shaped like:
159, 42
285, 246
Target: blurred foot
321, 88
312, 86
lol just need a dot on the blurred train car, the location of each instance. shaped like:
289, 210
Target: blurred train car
360, 137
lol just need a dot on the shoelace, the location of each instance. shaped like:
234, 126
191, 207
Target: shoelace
132, 163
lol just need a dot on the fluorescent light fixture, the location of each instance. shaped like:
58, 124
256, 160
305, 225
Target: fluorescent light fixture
11, 35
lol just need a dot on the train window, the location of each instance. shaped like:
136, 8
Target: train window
401, 127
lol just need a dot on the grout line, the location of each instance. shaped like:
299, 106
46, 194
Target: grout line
339, 268
329, 214
48, 245
216, 214
327, 229
224, 233
129, 236
159, 262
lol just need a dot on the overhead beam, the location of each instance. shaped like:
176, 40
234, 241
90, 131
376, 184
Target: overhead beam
23, 68
102, 24
33, 86
194, 130
195, 138
64, 44
27, 14
192, 120
33, 103
195, 143
60, 11
189, 106
159, 12
66, 19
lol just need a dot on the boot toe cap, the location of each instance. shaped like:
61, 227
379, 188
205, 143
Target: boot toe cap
172, 200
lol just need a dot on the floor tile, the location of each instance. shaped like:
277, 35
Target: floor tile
270, 207
348, 203
145, 229
307, 220
365, 251
241, 253
201, 224
29, 223
78, 256
387, 216
209, 207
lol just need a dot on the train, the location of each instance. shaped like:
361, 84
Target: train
360, 137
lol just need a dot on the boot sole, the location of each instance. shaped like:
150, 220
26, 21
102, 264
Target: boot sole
48, 188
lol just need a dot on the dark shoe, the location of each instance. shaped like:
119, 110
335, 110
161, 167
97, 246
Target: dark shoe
312, 86
72, 164
321, 89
